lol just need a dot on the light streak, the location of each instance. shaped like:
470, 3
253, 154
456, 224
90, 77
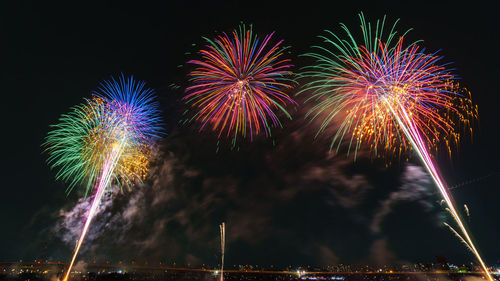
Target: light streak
101, 187
222, 227
459, 237
415, 139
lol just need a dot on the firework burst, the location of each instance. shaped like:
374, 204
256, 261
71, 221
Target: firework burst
363, 83
109, 138
391, 97
239, 84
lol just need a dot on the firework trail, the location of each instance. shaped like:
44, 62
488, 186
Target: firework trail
459, 237
467, 211
391, 97
239, 84
108, 139
222, 227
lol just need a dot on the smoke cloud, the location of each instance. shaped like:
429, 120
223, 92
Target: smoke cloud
414, 188
283, 204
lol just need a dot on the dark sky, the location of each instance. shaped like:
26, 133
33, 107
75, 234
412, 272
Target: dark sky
285, 200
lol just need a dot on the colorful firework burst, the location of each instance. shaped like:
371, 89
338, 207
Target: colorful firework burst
239, 84
120, 112
109, 138
390, 97
360, 83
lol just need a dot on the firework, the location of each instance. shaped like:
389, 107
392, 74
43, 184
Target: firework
108, 139
239, 84
391, 97
222, 228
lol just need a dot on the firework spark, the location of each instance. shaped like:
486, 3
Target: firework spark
109, 138
239, 84
391, 97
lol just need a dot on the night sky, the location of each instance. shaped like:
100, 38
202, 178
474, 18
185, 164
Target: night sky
286, 200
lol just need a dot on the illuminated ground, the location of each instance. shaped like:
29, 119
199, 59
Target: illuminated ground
53, 271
